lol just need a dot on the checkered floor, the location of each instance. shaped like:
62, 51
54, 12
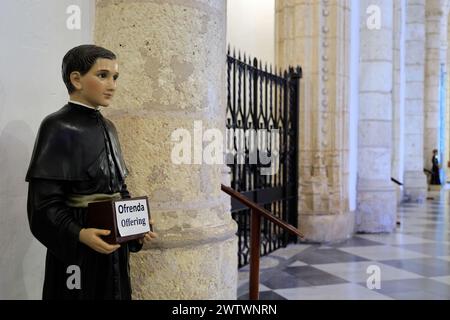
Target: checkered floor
414, 262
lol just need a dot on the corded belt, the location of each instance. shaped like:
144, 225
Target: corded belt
82, 200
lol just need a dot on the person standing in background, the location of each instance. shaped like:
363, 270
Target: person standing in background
435, 175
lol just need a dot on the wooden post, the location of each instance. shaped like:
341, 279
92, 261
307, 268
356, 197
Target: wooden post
255, 238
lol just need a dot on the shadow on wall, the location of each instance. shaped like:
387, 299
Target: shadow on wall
22, 257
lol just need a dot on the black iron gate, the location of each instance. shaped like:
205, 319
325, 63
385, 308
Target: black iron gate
262, 147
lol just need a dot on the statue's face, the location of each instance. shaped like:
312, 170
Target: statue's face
97, 87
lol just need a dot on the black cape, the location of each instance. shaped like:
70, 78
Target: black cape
76, 151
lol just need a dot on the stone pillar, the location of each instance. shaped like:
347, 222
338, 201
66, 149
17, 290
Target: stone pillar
446, 58
315, 35
171, 56
398, 95
415, 187
376, 194
434, 17
444, 125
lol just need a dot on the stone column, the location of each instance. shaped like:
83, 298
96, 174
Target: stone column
315, 35
171, 56
434, 17
444, 125
446, 57
376, 193
415, 187
398, 95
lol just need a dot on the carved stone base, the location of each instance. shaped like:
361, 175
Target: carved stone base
188, 266
327, 228
415, 189
377, 208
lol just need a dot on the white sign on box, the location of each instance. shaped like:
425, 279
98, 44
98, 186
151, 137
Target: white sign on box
132, 217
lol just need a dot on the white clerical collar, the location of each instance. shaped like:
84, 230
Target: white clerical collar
84, 105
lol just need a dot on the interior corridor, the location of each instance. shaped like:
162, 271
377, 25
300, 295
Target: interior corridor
414, 262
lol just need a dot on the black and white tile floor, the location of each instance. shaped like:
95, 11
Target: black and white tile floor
414, 262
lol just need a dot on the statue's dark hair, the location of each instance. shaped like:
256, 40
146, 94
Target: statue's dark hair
81, 59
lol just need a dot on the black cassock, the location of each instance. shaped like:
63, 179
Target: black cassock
77, 151
435, 175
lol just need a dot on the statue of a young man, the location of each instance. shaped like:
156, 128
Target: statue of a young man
77, 159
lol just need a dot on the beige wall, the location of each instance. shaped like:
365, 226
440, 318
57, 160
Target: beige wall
30, 88
251, 27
